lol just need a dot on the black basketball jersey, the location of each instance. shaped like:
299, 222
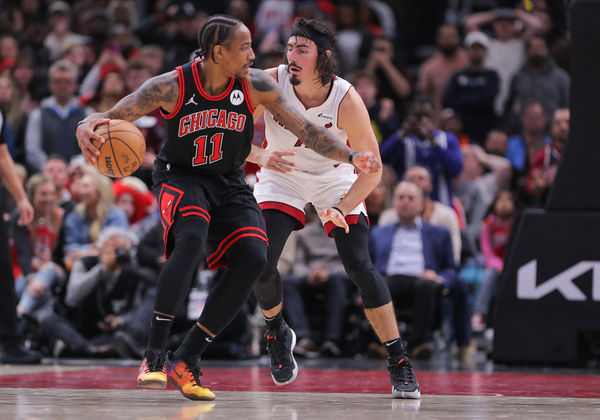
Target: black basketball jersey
208, 134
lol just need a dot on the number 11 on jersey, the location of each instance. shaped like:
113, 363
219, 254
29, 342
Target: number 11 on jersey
201, 157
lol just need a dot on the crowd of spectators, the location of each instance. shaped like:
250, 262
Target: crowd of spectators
470, 106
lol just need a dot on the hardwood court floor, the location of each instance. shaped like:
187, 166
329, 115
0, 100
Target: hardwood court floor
90, 392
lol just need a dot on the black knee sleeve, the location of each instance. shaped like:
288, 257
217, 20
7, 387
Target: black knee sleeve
268, 286
353, 249
177, 273
246, 260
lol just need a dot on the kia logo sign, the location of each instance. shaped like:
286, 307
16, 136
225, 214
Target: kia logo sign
527, 287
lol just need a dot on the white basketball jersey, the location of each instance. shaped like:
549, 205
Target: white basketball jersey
324, 115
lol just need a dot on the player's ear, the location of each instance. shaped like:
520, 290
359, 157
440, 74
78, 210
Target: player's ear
328, 52
218, 51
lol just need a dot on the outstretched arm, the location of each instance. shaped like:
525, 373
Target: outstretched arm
354, 118
264, 91
159, 91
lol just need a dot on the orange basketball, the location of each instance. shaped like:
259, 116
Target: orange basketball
123, 152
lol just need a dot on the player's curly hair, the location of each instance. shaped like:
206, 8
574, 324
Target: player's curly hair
215, 30
323, 35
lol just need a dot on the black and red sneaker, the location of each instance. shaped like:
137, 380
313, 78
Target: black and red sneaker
280, 346
402, 376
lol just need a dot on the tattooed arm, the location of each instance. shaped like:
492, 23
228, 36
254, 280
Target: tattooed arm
159, 91
264, 91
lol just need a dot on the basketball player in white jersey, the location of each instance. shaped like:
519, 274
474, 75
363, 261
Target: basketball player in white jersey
290, 179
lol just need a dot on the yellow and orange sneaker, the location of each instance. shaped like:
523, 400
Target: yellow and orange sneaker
152, 373
186, 379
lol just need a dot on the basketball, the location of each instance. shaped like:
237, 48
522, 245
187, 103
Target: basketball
123, 152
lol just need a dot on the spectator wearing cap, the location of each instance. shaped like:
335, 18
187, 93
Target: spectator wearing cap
60, 34
506, 51
436, 71
51, 127
471, 92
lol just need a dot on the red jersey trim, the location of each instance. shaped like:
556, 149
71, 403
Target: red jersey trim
247, 96
215, 260
287, 209
220, 261
181, 94
201, 90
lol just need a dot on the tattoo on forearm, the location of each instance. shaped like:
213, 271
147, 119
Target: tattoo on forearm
158, 91
311, 135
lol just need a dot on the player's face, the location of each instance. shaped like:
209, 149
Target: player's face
239, 55
302, 59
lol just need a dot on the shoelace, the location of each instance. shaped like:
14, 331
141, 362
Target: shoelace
195, 374
155, 366
277, 349
401, 370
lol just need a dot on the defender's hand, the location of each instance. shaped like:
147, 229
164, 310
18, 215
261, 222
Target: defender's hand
366, 162
85, 133
275, 161
335, 217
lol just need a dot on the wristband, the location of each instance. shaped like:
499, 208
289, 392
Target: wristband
338, 209
351, 156
81, 122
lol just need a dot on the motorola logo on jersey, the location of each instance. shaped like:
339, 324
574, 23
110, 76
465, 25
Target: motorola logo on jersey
211, 118
236, 97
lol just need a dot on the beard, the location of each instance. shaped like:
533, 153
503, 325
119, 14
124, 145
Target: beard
294, 80
538, 60
477, 62
448, 50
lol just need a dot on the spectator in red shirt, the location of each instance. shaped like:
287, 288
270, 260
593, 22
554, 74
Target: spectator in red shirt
545, 162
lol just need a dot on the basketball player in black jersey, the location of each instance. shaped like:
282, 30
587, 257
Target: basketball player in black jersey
206, 207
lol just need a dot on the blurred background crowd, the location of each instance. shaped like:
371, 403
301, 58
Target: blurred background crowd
468, 99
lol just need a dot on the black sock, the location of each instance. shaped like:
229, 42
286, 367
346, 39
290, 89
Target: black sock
159, 332
273, 324
193, 344
394, 347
